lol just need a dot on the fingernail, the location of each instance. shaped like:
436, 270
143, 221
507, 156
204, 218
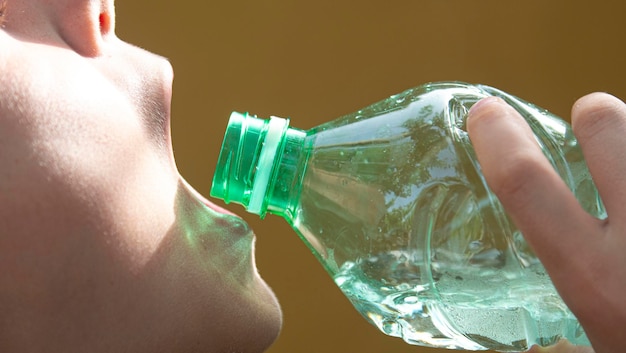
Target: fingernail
483, 103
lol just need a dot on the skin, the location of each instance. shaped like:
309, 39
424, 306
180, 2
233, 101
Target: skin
561, 347
583, 255
103, 246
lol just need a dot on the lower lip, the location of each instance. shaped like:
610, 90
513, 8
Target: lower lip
215, 207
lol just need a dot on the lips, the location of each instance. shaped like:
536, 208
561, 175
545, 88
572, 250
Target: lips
203, 200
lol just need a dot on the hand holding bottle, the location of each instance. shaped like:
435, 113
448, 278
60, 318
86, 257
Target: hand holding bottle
583, 255
561, 347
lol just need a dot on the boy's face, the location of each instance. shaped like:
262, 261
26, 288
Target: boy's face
102, 245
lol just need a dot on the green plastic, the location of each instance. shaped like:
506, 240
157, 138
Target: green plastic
257, 164
391, 201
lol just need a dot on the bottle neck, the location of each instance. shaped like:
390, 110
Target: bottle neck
285, 186
260, 165
269, 158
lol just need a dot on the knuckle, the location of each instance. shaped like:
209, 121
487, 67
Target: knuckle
515, 179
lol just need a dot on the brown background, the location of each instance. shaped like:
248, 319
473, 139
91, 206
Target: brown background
316, 60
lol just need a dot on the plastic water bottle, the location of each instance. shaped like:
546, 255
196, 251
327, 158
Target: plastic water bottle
392, 202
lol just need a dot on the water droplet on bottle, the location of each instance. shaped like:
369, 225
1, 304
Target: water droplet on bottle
411, 299
475, 245
403, 287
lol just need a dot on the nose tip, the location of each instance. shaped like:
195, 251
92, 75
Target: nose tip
105, 23
83, 25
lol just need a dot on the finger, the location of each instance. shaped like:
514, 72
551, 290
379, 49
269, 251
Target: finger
563, 346
599, 123
535, 196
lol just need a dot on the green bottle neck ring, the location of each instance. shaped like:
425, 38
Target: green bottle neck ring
273, 139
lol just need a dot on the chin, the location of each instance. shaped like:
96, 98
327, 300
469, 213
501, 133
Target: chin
268, 318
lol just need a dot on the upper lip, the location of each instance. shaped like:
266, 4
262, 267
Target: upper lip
203, 200
232, 224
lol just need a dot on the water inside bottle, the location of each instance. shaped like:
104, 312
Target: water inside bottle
508, 316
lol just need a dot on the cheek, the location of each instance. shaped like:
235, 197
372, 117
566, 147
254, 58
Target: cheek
77, 239
70, 199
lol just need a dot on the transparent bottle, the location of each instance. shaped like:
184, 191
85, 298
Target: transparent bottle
392, 202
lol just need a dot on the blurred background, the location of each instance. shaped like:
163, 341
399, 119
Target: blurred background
313, 61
